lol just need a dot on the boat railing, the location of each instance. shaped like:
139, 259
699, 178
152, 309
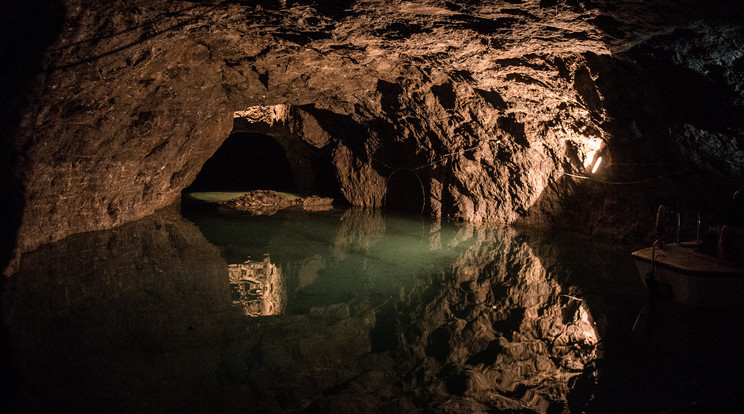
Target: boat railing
726, 242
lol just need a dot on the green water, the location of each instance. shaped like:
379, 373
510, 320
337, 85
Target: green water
334, 256
212, 310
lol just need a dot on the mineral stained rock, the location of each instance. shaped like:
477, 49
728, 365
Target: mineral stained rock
494, 108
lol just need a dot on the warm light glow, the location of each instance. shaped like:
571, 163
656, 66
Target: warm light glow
267, 114
596, 165
257, 287
590, 147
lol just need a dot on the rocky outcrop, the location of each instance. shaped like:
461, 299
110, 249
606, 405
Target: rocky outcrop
269, 202
494, 110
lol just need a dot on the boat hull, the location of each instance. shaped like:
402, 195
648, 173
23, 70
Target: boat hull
691, 279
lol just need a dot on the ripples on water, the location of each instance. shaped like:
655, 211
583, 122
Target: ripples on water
331, 311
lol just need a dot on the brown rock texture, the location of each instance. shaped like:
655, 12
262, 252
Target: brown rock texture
269, 202
484, 106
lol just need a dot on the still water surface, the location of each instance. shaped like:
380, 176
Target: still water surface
344, 310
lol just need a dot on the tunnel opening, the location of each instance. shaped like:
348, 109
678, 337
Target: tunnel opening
246, 161
404, 192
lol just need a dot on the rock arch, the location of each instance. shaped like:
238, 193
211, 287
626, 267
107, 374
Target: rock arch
129, 105
246, 161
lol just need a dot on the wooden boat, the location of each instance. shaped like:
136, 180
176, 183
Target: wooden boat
688, 277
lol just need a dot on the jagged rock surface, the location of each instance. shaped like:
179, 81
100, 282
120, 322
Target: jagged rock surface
269, 202
488, 105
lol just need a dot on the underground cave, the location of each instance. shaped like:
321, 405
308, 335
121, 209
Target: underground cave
450, 193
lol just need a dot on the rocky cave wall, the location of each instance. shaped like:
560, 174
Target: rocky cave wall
490, 104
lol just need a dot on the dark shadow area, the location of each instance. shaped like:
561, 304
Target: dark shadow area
343, 127
708, 102
27, 28
89, 314
405, 192
302, 37
244, 162
675, 359
325, 176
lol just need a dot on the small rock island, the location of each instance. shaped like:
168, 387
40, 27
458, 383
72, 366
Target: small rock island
268, 202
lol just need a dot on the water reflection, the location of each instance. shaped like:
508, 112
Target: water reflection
109, 321
257, 287
499, 332
359, 312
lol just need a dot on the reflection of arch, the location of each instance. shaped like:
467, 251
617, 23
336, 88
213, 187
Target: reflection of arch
404, 191
246, 161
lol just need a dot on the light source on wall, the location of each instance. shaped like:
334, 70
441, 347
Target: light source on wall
596, 164
596, 152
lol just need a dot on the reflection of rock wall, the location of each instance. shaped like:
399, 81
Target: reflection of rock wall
498, 332
97, 318
257, 287
360, 228
141, 319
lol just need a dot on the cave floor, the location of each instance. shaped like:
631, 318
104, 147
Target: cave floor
350, 310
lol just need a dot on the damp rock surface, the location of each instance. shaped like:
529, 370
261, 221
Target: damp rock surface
498, 108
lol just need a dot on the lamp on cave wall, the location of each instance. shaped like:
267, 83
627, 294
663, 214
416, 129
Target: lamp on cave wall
597, 163
594, 156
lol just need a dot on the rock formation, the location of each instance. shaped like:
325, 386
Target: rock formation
493, 110
269, 202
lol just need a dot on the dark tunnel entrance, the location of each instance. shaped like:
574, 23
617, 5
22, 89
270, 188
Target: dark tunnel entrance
246, 161
404, 192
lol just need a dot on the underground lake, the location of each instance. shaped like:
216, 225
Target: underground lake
351, 310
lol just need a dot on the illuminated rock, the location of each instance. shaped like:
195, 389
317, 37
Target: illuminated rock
267, 202
489, 105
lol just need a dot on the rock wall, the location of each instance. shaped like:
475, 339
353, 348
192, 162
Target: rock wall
490, 105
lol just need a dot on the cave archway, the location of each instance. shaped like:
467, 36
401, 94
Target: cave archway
404, 192
246, 161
